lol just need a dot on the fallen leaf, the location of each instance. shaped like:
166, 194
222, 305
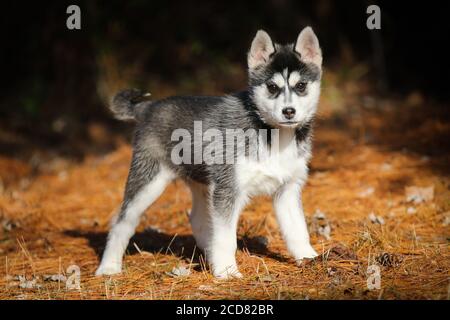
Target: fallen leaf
28, 284
446, 221
205, 288
418, 195
54, 277
366, 192
376, 219
321, 225
9, 225
180, 271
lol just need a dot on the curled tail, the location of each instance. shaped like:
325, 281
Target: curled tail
126, 104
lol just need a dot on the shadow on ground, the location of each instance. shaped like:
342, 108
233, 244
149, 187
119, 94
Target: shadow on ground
182, 246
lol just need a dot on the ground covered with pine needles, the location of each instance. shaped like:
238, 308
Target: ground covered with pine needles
378, 195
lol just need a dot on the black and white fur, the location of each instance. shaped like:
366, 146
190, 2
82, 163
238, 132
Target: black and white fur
280, 77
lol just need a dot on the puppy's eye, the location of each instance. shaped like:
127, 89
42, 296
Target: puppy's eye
273, 88
300, 87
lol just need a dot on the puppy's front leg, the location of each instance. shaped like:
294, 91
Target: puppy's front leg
290, 216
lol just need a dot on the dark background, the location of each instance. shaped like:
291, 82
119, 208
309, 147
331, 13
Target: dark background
197, 47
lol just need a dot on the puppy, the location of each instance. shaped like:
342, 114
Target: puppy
194, 138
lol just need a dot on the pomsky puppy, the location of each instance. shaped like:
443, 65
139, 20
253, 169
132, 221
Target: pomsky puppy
282, 97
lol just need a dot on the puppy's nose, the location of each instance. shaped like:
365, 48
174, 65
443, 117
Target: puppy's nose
288, 112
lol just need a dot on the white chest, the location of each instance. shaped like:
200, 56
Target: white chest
266, 176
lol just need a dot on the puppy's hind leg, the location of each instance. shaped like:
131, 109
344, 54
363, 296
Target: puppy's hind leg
199, 216
146, 181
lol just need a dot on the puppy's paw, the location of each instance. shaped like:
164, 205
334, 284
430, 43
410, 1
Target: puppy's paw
306, 252
108, 269
227, 273
228, 276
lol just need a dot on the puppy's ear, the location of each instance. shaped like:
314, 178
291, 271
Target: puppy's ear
260, 51
307, 46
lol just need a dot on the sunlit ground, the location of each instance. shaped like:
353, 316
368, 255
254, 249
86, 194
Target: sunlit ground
368, 152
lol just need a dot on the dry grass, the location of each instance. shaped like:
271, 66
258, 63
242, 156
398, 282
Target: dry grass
55, 213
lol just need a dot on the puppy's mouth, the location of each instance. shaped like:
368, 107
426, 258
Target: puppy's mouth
289, 123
